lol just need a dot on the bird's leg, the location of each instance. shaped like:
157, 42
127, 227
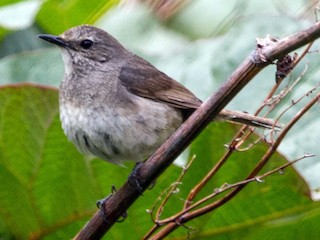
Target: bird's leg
102, 202
133, 179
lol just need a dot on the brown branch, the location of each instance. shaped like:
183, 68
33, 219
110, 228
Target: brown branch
186, 216
239, 138
119, 202
240, 135
189, 204
225, 187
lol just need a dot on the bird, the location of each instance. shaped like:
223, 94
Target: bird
117, 106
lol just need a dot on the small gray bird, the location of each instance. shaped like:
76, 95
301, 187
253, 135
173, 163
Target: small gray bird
117, 106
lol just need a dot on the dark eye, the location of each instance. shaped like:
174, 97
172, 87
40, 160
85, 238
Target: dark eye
86, 44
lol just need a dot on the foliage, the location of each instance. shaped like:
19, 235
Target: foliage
49, 189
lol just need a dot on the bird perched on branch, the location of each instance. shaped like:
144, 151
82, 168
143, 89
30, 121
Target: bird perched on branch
116, 105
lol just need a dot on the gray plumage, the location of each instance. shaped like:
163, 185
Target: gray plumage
114, 104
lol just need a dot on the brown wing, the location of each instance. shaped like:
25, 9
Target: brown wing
144, 80
141, 78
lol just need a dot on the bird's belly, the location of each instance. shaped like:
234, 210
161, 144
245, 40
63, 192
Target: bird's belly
117, 135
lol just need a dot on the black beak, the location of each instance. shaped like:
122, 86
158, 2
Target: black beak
54, 39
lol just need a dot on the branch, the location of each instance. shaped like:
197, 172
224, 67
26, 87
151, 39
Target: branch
186, 216
265, 53
225, 187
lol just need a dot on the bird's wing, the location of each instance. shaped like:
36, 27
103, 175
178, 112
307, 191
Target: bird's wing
141, 78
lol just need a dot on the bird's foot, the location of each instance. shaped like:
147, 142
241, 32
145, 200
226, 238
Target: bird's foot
134, 178
101, 203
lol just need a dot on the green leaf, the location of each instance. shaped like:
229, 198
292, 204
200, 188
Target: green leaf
71, 13
278, 197
56, 187
7, 2
49, 187
279, 202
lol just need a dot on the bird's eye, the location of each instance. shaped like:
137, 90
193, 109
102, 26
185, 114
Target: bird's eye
86, 44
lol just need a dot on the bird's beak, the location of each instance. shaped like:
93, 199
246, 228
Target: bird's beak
54, 39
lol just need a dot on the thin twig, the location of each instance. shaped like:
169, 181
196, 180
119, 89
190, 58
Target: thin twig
185, 169
168, 193
275, 88
187, 216
226, 186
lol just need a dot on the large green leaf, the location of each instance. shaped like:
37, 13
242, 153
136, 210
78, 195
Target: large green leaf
50, 189
47, 184
55, 187
279, 199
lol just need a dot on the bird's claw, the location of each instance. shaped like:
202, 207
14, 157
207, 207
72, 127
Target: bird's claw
101, 203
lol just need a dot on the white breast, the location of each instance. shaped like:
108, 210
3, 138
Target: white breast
117, 135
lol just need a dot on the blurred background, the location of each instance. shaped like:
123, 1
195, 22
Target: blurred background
198, 43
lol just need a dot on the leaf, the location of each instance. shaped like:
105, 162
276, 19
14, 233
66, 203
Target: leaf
53, 185
71, 13
278, 202
201, 65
